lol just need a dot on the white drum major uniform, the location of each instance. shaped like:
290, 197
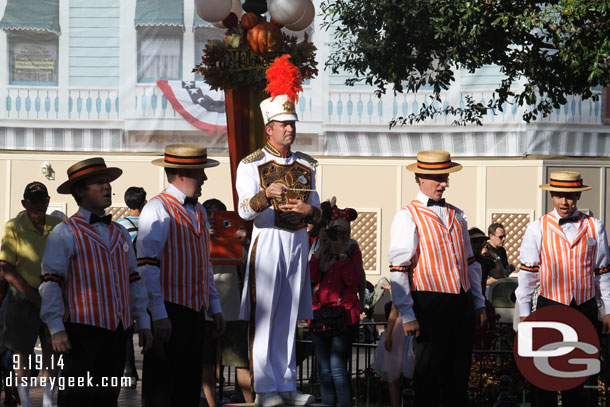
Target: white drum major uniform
276, 190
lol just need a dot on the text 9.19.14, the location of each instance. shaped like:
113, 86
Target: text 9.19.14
35, 362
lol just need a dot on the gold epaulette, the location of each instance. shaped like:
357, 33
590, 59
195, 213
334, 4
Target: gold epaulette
307, 158
256, 155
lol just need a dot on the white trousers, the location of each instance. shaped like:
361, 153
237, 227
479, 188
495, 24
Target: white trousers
283, 295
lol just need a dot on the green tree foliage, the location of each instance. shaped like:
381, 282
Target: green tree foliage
556, 48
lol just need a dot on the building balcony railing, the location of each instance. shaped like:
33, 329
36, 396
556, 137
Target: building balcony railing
29, 103
340, 106
151, 103
362, 107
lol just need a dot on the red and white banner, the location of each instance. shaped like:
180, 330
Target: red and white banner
201, 106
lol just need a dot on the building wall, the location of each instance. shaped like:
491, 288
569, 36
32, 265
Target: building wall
20, 169
377, 188
94, 53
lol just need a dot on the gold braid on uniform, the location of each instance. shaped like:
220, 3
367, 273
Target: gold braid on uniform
307, 158
255, 156
259, 202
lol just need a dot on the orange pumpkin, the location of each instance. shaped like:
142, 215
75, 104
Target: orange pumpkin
264, 38
249, 21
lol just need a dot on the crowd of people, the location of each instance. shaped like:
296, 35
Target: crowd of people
83, 286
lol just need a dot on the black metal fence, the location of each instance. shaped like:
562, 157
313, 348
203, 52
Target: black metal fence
494, 376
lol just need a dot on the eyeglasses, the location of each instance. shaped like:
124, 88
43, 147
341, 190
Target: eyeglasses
501, 237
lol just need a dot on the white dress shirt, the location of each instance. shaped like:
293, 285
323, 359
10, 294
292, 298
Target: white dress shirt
403, 245
530, 256
56, 260
153, 232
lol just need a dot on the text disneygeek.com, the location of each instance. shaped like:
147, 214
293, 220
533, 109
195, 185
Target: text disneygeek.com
67, 382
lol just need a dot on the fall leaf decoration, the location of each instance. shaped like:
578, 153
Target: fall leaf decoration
283, 78
236, 62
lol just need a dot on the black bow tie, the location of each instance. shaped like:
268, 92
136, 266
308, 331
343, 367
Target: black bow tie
104, 219
440, 202
190, 201
571, 219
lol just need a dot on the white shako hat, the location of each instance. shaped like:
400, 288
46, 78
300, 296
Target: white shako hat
279, 108
283, 82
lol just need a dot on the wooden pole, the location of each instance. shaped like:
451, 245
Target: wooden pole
237, 102
245, 127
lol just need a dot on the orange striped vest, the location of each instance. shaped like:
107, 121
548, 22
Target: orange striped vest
97, 286
185, 264
567, 270
440, 263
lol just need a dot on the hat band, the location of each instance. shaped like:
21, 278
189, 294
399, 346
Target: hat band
185, 160
86, 170
565, 184
269, 118
433, 166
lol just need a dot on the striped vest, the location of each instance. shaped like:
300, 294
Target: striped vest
185, 264
440, 263
97, 285
567, 270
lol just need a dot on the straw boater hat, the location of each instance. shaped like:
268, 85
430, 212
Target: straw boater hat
283, 83
565, 181
185, 156
85, 169
434, 162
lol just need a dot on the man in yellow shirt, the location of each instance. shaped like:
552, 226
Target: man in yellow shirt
23, 242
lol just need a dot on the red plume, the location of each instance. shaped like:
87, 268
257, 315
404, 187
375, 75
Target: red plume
283, 78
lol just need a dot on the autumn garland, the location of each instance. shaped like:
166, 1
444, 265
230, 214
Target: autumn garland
232, 64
